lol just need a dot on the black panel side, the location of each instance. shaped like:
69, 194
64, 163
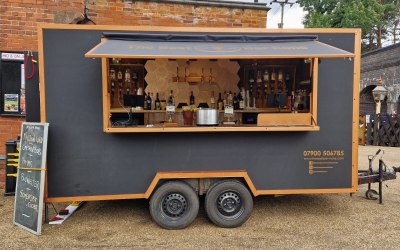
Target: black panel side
84, 161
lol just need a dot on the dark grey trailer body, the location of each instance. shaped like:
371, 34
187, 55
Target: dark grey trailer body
85, 163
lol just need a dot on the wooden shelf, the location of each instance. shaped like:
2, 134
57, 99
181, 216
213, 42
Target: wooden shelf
262, 110
241, 128
126, 64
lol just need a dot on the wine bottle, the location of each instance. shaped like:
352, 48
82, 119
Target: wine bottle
220, 102
225, 98
212, 100
292, 107
241, 101
157, 103
191, 98
171, 101
153, 102
145, 101
230, 98
266, 82
258, 79
120, 83
235, 101
148, 101
251, 82
280, 82
112, 88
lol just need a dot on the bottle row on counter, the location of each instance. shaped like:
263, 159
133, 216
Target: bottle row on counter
260, 91
299, 100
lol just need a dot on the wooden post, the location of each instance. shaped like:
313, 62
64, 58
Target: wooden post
376, 128
369, 132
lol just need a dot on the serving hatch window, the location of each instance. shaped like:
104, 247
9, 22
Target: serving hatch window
254, 83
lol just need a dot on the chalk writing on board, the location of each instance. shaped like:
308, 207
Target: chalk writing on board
30, 179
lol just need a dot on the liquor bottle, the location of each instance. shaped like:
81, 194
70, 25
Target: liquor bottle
230, 98
148, 101
243, 95
157, 103
120, 83
145, 101
220, 102
112, 88
135, 81
235, 101
251, 82
212, 100
266, 82
112, 73
225, 98
241, 101
273, 83
153, 102
127, 81
280, 82
287, 78
119, 75
292, 107
127, 75
258, 79
191, 98
120, 90
171, 101
247, 99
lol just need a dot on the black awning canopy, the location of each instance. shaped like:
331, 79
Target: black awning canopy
213, 46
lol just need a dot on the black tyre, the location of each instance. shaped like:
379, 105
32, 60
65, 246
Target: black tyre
371, 194
228, 203
174, 205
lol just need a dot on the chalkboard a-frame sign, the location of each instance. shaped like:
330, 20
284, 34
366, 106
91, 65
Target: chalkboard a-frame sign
28, 206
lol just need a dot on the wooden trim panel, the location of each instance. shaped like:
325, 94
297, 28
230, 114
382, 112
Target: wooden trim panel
106, 95
194, 29
356, 108
95, 198
306, 191
214, 129
103, 40
200, 175
42, 93
272, 119
196, 175
314, 93
42, 89
217, 56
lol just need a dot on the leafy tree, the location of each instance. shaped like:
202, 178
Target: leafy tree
378, 19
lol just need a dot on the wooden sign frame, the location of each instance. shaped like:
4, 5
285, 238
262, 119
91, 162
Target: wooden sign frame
26, 170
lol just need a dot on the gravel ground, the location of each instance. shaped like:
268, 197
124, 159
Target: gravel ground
329, 221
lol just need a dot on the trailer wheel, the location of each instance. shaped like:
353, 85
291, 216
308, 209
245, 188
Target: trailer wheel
174, 205
371, 194
228, 203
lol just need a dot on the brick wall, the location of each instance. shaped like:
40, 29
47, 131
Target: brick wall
169, 14
10, 128
383, 63
19, 20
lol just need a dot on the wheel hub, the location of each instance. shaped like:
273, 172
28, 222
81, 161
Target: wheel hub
174, 205
229, 203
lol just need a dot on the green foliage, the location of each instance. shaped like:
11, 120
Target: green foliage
376, 18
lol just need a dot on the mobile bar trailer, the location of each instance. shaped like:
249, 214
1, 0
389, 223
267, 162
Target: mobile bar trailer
286, 122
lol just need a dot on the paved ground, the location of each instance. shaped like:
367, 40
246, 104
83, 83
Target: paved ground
335, 221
